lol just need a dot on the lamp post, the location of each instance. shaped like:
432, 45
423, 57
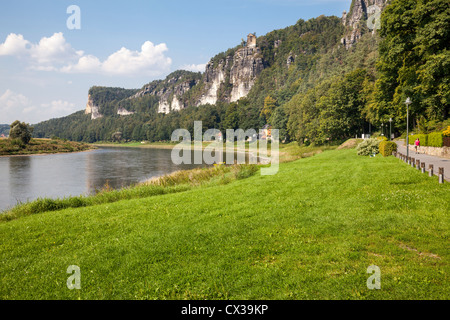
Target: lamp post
390, 129
382, 129
407, 102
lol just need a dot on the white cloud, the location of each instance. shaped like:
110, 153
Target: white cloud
194, 67
86, 64
12, 104
53, 50
15, 106
10, 101
14, 45
55, 54
58, 107
150, 60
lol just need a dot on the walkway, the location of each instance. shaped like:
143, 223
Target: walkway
437, 162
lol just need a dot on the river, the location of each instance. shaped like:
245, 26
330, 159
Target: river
26, 178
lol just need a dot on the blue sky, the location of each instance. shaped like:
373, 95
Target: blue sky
46, 69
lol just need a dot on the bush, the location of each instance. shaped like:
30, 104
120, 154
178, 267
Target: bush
422, 137
387, 147
446, 133
435, 139
382, 138
368, 147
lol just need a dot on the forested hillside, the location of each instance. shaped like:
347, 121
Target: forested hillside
313, 85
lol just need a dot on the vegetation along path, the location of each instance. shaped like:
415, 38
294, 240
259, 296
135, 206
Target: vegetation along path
437, 162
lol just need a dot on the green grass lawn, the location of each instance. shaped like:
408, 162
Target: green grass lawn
308, 232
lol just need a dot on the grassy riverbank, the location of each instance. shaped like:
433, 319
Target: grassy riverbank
308, 232
9, 147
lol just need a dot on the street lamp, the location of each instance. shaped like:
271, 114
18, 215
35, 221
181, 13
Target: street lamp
382, 129
407, 102
390, 129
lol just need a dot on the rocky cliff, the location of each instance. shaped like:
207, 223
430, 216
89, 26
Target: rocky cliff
233, 76
356, 19
227, 78
213, 79
171, 91
247, 65
92, 109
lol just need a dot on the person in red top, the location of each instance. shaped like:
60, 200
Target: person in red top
417, 143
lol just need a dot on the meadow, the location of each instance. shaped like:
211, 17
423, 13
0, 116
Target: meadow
308, 232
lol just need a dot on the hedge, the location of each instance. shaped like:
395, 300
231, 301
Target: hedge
422, 137
387, 147
434, 139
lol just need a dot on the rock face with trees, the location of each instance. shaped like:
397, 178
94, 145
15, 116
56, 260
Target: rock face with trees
321, 80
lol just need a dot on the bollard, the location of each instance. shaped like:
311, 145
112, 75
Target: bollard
413, 162
441, 175
422, 166
418, 164
409, 160
430, 170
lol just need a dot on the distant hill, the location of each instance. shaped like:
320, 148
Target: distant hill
4, 129
315, 81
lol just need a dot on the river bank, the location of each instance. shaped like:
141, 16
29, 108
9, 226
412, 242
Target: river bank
10, 147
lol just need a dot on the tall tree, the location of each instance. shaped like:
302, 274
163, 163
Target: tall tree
414, 59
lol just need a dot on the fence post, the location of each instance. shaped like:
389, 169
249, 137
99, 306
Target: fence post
422, 167
430, 170
413, 162
418, 164
441, 175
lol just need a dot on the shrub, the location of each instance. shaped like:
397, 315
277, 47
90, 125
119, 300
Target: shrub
382, 138
435, 139
368, 147
387, 147
446, 133
422, 137
17, 142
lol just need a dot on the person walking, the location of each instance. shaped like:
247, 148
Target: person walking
417, 143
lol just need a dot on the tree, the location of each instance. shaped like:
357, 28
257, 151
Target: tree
414, 59
21, 130
269, 106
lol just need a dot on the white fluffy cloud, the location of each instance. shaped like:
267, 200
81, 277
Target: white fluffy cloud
15, 106
56, 54
14, 45
11, 101
194, 67
151, 61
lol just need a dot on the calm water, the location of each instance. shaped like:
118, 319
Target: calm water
61, 175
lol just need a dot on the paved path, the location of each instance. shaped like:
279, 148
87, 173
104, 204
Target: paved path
437, 162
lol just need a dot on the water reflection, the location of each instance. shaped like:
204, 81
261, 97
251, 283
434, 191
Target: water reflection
62, 175
19, 171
